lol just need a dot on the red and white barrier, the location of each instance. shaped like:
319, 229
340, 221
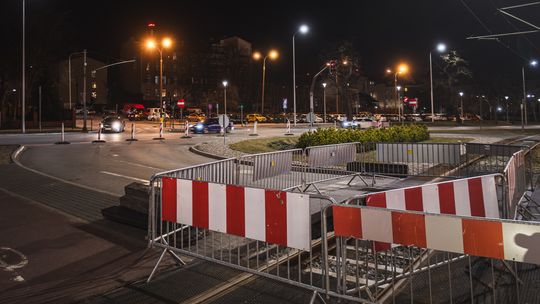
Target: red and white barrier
475, 196
491, 238
277, 217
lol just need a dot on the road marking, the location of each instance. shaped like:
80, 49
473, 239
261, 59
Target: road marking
125, 176
15, 158
140, 165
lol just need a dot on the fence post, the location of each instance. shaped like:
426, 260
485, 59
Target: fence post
186, 131
62, 137
99, 140
160, 132
254, 130
132, 138
288, 129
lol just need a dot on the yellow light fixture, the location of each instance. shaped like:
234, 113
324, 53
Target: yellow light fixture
273, 54
166, 42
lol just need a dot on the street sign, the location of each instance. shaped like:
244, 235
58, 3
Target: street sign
180, 103
284, 103
413, 102
223, 120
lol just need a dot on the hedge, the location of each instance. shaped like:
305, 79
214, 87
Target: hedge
399, 133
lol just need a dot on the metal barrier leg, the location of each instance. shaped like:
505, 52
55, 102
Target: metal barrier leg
177, 259
155, 267
314, 297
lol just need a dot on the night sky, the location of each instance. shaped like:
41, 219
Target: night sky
383, 32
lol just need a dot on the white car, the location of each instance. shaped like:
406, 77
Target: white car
366, 123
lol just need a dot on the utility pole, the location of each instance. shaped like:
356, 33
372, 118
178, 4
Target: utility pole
23, 110
84, 129
39, 108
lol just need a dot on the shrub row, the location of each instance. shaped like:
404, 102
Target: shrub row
328, 136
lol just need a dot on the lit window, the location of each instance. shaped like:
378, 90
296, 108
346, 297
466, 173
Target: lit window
156, 79
94, 95
94, 85
148, 66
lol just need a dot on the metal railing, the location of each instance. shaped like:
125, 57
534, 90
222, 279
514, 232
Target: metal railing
347, 268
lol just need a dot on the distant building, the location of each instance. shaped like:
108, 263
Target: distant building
189, 72
96, 83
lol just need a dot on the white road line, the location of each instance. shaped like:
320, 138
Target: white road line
125, 176
139, 165
15, 158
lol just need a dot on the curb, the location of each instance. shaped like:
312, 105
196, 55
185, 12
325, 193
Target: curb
194, 149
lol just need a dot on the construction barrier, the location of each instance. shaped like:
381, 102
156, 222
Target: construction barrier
516, 177
490, 238
255, 214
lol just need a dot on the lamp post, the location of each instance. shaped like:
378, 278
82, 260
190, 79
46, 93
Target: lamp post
151, 44
461, 101
311, 109
401, 69
441, 48
324, 100
506, 98
533, 63
23, 89
273, 54
303, 29
225, 84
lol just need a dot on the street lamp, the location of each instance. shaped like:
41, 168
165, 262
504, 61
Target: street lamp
311, 110
441, 48
225, 84
152, 44
506, 98
273, 55
303, 29
23, 89
533, 63
401, 69
324, 100
461, 100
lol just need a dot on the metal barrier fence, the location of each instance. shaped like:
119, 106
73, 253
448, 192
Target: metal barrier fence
441, 258
246, 213
517, 180
271, 233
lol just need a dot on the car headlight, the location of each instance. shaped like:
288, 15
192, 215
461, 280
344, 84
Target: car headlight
117, 126
199, 127
346, 123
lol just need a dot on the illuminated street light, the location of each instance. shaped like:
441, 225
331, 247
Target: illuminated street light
441, 48
225, 84
303, 29
151, 44
324, 99
532, 63
461, 98
273, 54
402, 68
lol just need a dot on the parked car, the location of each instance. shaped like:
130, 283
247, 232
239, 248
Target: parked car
136, 115
155, 114
112, 124
210, 125
194, 117
255, 118
109, 111
338, 117
129, 106
366, 123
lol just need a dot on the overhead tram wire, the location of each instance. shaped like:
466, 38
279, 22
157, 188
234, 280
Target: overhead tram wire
489, 31
505, 17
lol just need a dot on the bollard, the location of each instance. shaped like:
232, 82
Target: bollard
288, 130
132, 133
160, 132
62, 138
186, 131
99, 140
254, 130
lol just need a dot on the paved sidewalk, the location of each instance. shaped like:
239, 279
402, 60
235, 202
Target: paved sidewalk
76, 201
